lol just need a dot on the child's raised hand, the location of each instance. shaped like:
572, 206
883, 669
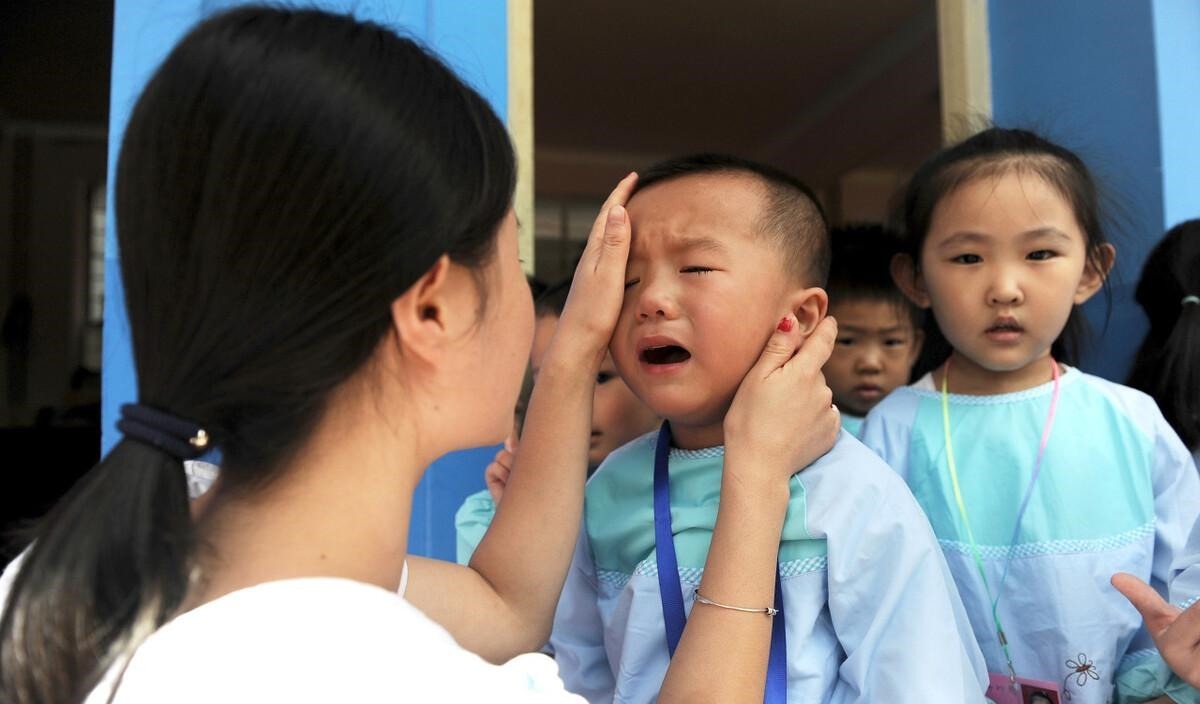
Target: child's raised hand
1176, 633
782, 415
592, 307
496, 474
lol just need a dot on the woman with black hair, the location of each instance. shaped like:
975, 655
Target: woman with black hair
320, 267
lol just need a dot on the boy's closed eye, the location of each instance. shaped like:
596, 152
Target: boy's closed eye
696, 270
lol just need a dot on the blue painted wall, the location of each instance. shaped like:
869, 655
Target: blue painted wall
471, 35
1082, 73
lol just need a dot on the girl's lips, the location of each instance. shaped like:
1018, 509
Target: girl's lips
1005, 332
1004, 335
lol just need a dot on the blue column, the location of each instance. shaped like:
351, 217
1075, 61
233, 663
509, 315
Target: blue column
1119, 83
1177, 58
471, 35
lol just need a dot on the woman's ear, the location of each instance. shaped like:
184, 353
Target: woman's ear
1095, 271
419, 315
809, 306
908, 279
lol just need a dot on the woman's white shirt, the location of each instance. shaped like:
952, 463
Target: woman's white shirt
319, 639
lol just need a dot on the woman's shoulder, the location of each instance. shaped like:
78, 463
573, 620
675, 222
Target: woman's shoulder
310, 639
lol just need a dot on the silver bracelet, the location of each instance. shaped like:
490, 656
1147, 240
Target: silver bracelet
702, 600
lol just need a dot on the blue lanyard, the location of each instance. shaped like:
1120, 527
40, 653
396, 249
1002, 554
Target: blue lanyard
671, 592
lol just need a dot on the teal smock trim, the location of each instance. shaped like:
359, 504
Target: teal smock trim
471, 522
619, 509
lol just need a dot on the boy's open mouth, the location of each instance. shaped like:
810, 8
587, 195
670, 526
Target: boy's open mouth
665, 354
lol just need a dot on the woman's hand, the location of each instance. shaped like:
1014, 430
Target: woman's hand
592, 307
1176, 633
782, 417
781, 420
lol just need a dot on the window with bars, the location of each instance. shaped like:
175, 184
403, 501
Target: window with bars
561, 228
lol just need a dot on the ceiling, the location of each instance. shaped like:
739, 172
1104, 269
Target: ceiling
819, 87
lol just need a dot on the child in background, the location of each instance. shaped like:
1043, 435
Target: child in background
1168, 368
879, 330
722, 250
1168, 364
1041, 481
617, 417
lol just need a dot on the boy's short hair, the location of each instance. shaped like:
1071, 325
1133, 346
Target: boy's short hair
553, 299
792, 212
861, 268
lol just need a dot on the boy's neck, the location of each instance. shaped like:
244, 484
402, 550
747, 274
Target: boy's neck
969, 378
697, 437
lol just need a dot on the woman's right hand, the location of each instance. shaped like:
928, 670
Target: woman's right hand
782, 417
598, 288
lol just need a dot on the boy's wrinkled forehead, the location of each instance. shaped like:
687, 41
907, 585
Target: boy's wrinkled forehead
659, 241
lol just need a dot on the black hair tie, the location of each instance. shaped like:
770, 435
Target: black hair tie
177, 437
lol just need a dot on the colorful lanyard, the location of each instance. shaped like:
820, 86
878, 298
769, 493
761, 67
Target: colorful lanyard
671, 592
962, 506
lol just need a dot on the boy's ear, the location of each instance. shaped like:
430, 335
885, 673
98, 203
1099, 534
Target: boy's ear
918, 344
1095, 271
809, 305
909, 280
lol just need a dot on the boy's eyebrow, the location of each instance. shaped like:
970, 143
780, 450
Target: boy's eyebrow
690, 242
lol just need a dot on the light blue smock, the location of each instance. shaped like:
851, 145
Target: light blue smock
872, 614
1118, 492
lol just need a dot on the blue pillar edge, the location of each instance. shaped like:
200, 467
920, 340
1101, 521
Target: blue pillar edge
470, 35
1177, 54
1088, 74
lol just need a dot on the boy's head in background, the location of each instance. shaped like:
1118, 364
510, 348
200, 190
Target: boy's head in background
879, 330
617, 415
722, 249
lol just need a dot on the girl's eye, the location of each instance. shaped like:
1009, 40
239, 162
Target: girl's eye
604, 377
695, 270
967, 259
1042, 255
845, 341
631, 284
895, 342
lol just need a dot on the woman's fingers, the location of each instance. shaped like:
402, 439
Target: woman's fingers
598, 288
